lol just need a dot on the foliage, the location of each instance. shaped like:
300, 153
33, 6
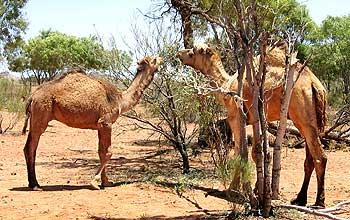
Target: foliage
117, 62
171, 105
11, 101
243, 29
227, 170
12, 25
51, 52
329, 48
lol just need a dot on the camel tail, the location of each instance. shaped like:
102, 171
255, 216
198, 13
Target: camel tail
28, 105
319, 96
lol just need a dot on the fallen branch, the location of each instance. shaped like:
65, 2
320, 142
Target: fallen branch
228, 195
313, 211
337, 207
272, 128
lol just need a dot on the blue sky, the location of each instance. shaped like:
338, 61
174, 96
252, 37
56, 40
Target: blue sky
85, 17
115, 17
319, 9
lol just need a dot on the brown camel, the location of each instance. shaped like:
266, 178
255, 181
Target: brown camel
80, 101
306, 109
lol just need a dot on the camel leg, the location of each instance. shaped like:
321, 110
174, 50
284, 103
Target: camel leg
319, 160
301, 199
234, 125
104, 137
30, 154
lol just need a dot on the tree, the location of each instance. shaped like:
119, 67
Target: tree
245, 29
51, 52
12, 25
329, 47
170, 103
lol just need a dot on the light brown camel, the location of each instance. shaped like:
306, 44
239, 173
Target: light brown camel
306, 109
80, 101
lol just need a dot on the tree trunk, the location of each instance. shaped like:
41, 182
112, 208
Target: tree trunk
290, 70
185, 162
185, 13
263, 124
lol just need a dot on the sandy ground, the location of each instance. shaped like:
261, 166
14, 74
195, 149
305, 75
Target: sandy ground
67, 160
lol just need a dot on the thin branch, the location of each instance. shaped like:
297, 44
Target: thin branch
313, 212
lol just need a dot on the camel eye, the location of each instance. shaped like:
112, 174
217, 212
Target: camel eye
190, 54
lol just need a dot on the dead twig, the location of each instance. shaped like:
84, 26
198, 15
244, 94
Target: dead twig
318, 212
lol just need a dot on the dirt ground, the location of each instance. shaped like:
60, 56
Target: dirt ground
144, 172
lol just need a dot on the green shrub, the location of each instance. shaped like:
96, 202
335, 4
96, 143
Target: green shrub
12, 100
227, 170
12, 93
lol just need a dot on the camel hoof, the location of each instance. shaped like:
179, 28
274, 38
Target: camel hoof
299, 202
107, 184
36, 188
95, 185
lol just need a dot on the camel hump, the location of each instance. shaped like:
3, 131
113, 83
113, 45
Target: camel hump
75, 70
319, 96
71, 71
276, 57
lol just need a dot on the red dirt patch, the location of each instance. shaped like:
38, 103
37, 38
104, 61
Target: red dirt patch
67, 160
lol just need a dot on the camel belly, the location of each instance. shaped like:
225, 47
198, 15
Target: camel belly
76, 117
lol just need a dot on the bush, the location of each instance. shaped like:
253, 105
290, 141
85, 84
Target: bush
12, 99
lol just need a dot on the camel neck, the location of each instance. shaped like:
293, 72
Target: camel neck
133, 94
218, 74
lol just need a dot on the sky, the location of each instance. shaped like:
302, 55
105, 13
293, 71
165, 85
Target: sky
85, 17
320, 9
115, 17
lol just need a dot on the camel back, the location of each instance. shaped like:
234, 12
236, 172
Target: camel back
275, 59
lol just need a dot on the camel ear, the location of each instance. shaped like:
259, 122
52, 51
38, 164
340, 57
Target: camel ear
158, 60
143, 61
155, 61
201, 50
209, 51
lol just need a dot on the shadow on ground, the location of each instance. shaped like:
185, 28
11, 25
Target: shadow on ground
201, 216
147, 167
50, 188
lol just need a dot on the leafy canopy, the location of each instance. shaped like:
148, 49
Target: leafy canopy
51, 52
329, 47
12, 24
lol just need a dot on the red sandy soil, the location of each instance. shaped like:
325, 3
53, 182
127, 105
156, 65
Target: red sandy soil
67, 161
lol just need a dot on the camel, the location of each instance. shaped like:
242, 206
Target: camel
306, 109
80, 101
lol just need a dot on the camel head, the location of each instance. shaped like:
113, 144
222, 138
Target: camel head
149, 64
201, 57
